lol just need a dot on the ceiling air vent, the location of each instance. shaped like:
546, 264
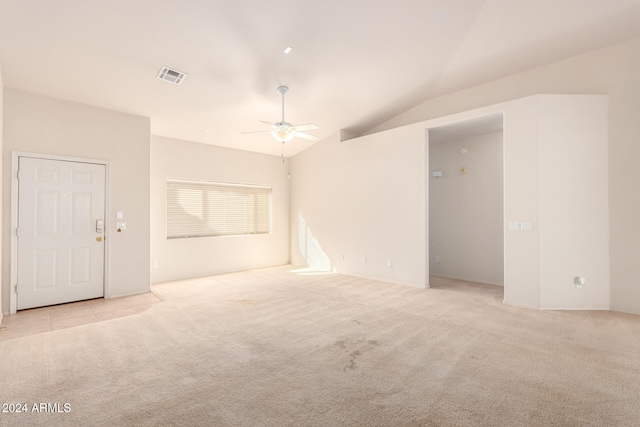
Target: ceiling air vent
171, 76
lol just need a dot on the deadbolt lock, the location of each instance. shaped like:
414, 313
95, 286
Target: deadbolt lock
99, 239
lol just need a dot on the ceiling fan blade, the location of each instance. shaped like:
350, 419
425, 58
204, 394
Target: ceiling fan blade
305, 136
273, 125
308, 126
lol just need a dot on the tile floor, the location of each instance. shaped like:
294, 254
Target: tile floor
46, 319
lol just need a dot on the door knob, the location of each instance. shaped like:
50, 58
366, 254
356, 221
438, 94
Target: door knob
99, 239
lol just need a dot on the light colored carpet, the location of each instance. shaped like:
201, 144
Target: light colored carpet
276, 348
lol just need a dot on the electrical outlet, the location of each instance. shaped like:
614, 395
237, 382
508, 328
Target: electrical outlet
437, 258
364, 259
155, 264
389, 264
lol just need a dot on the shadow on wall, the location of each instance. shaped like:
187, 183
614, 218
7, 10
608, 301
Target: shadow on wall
317, 261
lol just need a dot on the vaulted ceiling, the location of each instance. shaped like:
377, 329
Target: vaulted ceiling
353, 65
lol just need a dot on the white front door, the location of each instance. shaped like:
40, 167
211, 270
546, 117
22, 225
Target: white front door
61, 212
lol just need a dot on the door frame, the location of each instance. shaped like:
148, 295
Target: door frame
15, 156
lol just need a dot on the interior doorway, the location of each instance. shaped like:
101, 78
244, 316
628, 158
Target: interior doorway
466, 201
60, 208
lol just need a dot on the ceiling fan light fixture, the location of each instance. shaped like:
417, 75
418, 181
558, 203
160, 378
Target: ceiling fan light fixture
283, 135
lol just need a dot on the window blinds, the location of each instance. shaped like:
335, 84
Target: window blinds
200, 208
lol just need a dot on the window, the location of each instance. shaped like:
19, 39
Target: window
201, 208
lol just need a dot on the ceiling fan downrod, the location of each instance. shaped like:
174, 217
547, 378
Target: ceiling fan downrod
283, 90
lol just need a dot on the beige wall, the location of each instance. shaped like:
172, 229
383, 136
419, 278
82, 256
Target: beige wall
573, 195
612, 71
38, 124
465, 210
367, 198
184, 258
363, 198
521, 249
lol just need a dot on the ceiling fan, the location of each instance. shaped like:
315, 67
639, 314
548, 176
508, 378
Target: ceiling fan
284, 131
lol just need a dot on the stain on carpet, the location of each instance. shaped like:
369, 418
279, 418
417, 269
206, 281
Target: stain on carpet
355, 349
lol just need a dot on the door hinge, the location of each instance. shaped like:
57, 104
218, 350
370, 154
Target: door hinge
16, 288
17, 232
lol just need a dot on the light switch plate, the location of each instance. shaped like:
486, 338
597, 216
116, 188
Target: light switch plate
514, 226
121, 225
526, 226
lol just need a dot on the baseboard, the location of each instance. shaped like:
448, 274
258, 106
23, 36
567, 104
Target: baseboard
550, 308
218, 273
127, 294
466, 279
519, 305
377, 279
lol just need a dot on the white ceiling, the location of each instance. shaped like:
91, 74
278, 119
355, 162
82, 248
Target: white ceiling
354, 64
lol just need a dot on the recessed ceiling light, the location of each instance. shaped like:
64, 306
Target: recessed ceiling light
288, 49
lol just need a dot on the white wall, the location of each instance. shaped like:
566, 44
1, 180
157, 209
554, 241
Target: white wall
367, 197
574, 238
39, 124
521, 250
553, 144
184, 258
466, 210
613, 71
363, 198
